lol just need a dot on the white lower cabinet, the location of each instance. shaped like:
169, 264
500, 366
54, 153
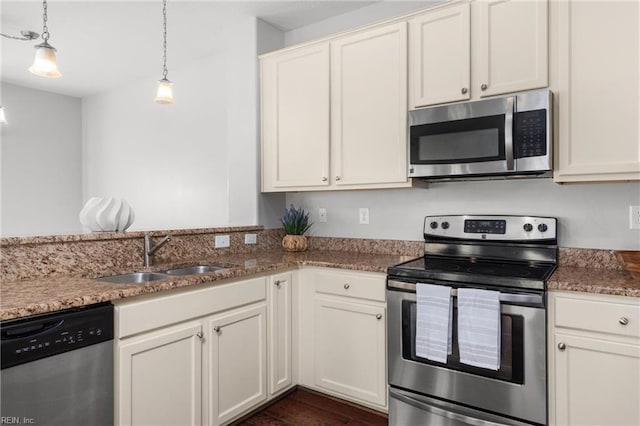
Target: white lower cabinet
343, 335
594, 359
161, 377
280, 332
237, 362
192, 358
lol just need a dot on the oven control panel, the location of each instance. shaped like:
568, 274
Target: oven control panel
500, 228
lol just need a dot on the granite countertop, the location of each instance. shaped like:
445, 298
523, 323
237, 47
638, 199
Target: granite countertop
29, 297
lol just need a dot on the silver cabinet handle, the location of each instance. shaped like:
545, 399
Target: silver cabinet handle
277, 283
337, 177
484, 86
346, 286
464, 91
562, 346
379, 316
216, 329
624, 320
324, 178
200, 334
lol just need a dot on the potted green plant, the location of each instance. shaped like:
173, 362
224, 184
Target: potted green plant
295, 223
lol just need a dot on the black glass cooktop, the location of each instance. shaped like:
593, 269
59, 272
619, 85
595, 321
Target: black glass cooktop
477, 271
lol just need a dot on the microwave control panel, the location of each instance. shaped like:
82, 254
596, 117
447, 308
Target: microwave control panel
531, 133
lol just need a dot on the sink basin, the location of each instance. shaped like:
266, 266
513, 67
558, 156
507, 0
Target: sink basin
194, 270
134, 278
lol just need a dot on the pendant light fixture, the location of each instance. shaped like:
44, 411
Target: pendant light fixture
44, 64
165, 89
3, 119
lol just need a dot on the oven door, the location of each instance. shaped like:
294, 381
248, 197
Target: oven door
517, 389
474, 138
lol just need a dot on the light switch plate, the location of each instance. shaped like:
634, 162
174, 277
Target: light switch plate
322, 215
250, 239
221, 241
363, 216
634, 217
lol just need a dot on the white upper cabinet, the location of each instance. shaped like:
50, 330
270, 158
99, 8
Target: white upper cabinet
510, 45
469, 50
440, 46
597, 90
369, 106
334, 113
295, 118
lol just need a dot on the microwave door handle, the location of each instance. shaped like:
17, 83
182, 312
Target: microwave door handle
508, 133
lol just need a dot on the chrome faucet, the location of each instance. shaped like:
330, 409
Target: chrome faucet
149, 250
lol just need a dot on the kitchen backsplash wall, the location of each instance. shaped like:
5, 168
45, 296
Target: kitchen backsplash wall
96, 254
590, 215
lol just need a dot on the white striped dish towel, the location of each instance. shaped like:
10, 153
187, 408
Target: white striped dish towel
479, 327
434, 315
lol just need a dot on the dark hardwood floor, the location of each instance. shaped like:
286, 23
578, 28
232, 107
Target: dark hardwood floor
303, 407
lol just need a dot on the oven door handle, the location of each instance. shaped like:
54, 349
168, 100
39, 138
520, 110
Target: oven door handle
458, 417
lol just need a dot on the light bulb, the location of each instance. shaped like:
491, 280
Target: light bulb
165, 92
44, 64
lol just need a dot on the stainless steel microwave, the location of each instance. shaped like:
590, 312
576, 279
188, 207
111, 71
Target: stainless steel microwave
502, 136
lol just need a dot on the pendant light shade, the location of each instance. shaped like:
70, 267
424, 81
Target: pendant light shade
3, 119
165, 87
165, 92
45, 64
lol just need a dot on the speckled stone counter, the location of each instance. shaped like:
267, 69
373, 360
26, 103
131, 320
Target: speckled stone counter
29, 297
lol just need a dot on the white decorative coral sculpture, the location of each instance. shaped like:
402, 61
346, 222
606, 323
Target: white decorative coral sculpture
106, 214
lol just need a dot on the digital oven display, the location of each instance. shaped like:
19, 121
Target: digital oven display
485, 226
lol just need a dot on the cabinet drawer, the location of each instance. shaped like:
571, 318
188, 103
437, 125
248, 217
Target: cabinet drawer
351, 285
605, 316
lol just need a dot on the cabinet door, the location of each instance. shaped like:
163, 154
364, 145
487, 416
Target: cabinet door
280, 349
512, 48
440, 55
369, 106
350, 342
160, 378
237, 362
594, 382
295, 118
598, 91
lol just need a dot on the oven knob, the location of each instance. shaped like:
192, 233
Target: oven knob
445, 225
528, 227
542, 227
433, 225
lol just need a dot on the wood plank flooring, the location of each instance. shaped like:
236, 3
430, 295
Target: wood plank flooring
304, 407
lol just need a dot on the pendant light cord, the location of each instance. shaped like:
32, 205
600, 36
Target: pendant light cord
164, 35
45, 29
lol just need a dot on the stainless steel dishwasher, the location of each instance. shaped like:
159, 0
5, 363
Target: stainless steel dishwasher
57, 369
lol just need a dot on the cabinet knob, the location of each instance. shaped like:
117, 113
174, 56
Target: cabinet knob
379, 316
337, 177
464, 91
200, 335
324, 178
484, 86
346, 286
624, 320
277, 283
216, 329
562, 346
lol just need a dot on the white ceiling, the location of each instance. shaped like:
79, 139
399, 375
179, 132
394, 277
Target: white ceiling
102, 44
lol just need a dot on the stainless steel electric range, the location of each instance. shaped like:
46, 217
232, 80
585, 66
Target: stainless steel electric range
514, 255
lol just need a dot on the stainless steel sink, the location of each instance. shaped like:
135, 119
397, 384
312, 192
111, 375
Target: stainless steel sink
194, 270
134, 278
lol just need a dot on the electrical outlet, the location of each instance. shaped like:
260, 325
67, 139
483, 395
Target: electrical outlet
634, 217
221, 241
250, 239
322, 215
363, 216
